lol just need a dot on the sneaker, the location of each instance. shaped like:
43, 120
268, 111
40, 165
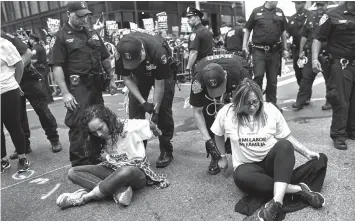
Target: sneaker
15, 156
123, 196
269, 211
67, 200
314, 199
23, 164
4, 165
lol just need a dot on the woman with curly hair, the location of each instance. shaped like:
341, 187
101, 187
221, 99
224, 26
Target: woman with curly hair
126, 166
262, 150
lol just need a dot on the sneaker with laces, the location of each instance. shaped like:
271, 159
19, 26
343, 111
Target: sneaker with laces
67, 200
123, 196
314, 199
4, 165
269, 211
23, 164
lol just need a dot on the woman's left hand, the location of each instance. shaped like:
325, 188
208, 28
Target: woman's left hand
311, 155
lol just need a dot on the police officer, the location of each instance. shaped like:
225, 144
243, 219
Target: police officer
305, 59
337, 28
215, 78
81, 65
233, 41
296, 24
144, 61
200, 40
31, 84
268, 24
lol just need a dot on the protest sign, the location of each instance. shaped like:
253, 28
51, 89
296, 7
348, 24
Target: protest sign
185, 27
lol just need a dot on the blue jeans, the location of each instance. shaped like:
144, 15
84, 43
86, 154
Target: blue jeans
109, 180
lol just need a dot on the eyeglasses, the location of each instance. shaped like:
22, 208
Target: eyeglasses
254, 103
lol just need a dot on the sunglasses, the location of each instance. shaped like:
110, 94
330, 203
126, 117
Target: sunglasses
254, 103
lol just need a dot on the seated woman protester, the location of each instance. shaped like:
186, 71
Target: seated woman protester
262, 150
127, 166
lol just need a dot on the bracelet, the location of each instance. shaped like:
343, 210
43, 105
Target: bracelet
223, 155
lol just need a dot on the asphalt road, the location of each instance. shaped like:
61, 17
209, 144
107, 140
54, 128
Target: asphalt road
193, 194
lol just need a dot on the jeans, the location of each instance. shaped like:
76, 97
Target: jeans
258, 178
109, 180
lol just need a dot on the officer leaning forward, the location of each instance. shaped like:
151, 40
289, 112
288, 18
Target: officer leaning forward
31, 84
337, 28
144, 61
200, 40
215, 78
78, 58
305, 59
233, 41
268, 24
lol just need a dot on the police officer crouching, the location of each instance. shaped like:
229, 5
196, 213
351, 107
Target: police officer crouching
200, 40
215, 78
81, 65
144, 61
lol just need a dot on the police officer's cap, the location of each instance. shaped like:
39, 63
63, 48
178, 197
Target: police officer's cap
130, 50
214, 78
321, 2
80, 8
299, 2
193, 12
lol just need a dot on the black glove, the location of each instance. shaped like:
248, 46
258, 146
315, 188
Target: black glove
148, 107
211, 148
155, 118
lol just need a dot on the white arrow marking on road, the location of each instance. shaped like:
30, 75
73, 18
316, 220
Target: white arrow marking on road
24, 175
40, 181
50, 192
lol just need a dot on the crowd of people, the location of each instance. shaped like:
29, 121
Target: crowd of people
107, 152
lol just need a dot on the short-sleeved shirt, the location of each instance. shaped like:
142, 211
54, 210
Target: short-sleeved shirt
9, 56
71, 50
337, 28
200, 40
234, 39
296, 25
235, 74
310, 29
39, 53
250, 145
130, 146
156, 65
267, 25
20, 46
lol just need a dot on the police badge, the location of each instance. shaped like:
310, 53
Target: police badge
127, 56
163, 59
323, 19
213, 82
192, 36
51, 44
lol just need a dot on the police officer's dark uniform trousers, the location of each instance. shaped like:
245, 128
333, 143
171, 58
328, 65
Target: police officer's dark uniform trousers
234, 40
337, 28
80, 53
267, 26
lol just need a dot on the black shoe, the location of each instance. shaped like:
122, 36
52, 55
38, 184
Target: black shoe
164, 160
23, 164
15, 156
269, 211
326, 106
340, 144
213, 168
352, 137
314, 199
56, 147
297, 106
4, 165
307, 102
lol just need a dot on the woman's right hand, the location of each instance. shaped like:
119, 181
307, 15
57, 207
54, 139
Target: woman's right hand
223, 163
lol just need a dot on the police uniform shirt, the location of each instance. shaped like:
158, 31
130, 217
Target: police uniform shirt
337, 28
19, 45
296, 25
234, 39
235, 74
156, 65
70, 48
267, 25
39, 53
200, 40
310, 29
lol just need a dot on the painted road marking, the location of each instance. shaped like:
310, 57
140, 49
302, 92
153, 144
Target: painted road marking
24, 175
40, 181
50, 192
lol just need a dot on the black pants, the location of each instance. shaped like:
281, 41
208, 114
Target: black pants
86, 93
10, 117
166, 121
298, 71
341, 95
45, 74
35, 93
270, 63
305, 90
259, 178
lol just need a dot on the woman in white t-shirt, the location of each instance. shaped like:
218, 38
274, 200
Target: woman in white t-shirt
126, 166
262, 149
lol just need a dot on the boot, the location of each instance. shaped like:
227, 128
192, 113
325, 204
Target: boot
340, 144
56, 146
326, 106
213, 168
297, 106
164, 160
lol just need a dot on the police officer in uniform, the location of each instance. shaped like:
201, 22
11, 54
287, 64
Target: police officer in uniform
31, 84
81, 65
296, 24
233, 41
200, 40
337, 28
144, 61
305, 56
268, 24
215, 78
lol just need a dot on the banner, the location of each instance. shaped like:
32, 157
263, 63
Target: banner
133, 25
185, 27
162, 21
148, 24
175, 30
224, 30
53, 25
111, 28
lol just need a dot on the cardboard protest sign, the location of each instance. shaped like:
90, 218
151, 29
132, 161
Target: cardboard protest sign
185, 27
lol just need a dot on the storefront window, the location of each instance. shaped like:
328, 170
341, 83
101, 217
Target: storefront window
53, 5
17, 9
43, 6
3, 14
33, 7
120, 5
24, 8
97, 8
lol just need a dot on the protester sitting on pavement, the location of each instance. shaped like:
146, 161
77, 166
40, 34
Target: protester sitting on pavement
127, 166
11, 66
262, 150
